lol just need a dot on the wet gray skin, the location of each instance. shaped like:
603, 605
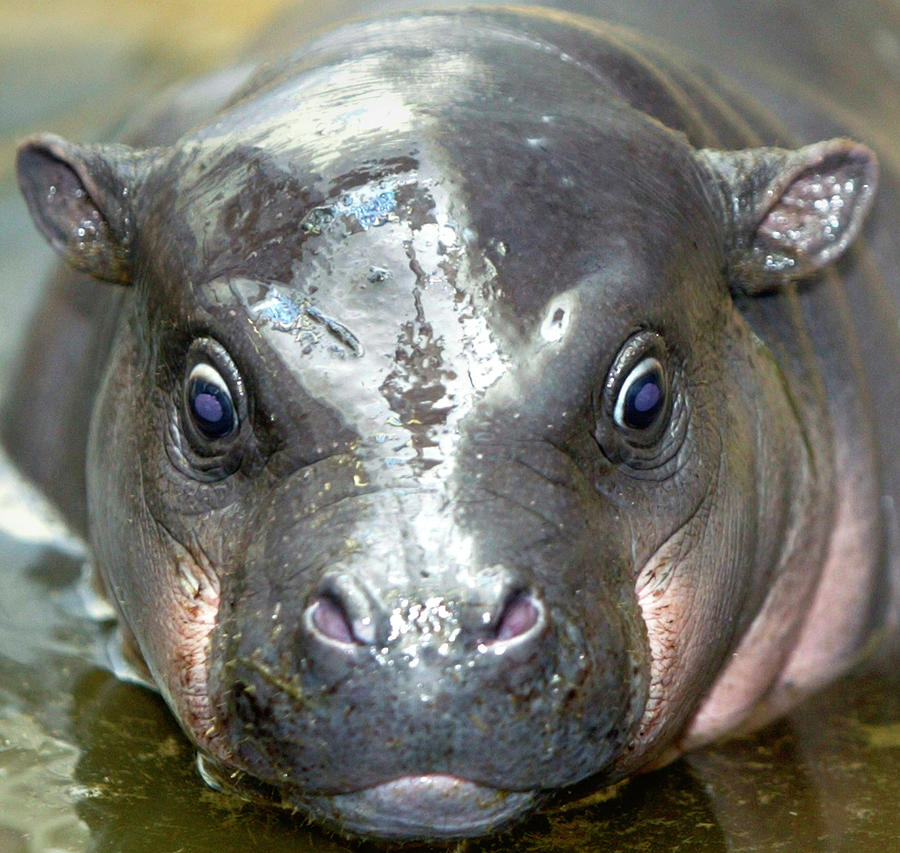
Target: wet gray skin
450, 440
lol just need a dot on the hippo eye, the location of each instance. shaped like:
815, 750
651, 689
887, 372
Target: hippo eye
642, 411
209, 402
213, 403
209, 431
642, 397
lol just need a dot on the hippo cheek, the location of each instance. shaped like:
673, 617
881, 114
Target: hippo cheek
174, 638
192, 617
381, 712
165, 586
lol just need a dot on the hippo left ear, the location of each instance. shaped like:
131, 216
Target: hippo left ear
791, 212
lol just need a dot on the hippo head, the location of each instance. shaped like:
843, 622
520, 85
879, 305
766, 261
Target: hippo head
441, 461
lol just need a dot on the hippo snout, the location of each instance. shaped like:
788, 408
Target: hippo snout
421, 672
500, 613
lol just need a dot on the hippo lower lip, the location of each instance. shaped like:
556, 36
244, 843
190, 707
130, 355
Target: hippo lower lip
426, 806
409, 807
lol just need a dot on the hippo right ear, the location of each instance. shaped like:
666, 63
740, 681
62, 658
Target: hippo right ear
80, 198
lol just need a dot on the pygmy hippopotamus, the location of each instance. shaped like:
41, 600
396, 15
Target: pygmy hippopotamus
470, 407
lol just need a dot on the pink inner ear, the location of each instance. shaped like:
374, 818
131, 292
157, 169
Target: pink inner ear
74, 196
819, 213
810, 215
56, 197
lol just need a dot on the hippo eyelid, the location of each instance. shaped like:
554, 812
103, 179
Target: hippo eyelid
208, 374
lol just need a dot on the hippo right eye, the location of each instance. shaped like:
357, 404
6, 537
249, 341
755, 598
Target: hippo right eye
213, 405
209, 402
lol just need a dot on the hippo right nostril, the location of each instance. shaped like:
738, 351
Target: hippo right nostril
329, 618
342, 613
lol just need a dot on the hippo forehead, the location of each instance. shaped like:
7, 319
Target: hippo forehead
533, 214
422, 235
540, 189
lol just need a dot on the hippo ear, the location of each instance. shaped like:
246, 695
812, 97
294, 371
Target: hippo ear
80, 198
792, 212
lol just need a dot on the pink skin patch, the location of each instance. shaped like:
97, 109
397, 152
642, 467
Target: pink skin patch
186, 685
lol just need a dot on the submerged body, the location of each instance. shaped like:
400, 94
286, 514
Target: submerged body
455, 429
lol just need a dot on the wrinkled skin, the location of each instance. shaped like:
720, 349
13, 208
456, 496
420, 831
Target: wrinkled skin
445, 558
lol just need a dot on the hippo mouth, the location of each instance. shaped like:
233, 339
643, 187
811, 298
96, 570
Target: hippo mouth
413, 807
432, 806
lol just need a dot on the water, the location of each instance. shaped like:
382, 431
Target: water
89, 763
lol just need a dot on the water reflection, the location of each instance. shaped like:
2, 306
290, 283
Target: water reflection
88, 763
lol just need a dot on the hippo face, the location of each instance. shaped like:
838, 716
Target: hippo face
434, 453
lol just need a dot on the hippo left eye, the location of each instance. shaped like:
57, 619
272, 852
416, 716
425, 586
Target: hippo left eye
640, 417
642, 397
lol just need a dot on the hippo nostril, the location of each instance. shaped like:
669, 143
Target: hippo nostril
519, 616
342, 613
331, 620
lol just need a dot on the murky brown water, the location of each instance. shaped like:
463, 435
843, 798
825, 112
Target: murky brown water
88, 763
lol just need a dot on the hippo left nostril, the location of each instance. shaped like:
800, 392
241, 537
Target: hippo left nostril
520, 614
